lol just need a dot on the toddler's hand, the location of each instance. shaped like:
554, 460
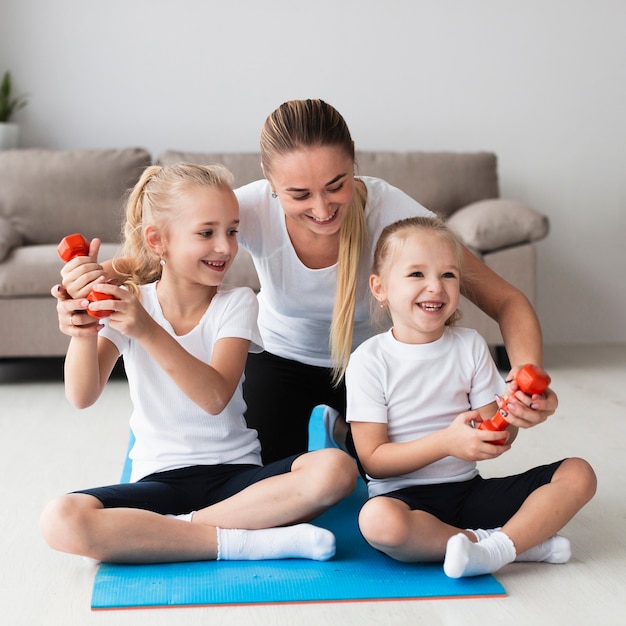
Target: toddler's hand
468, 443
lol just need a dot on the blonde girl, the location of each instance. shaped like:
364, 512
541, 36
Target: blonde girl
414, 394
198, 487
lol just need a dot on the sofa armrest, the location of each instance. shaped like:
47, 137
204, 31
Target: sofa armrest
9, 238
498, 223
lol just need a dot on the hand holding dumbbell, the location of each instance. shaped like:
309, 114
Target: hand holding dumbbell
530, 379
76, 245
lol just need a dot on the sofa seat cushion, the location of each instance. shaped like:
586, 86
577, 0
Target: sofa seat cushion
498, 223
33, 270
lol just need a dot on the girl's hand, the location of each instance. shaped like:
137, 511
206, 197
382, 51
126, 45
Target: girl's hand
73, 320
468, 443
526, 411
128, 315
80, 274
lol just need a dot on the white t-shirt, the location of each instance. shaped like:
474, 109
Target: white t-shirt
296, 302
419, 389
171, 430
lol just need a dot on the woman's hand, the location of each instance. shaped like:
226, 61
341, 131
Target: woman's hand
73, 319
526, 411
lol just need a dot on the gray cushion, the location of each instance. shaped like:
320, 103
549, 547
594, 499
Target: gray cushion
442, 181
498, 223
47, 194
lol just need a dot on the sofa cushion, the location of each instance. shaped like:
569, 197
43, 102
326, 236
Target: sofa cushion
493, 224
245, 166
47, 194
442, 181
33, 270
9, 238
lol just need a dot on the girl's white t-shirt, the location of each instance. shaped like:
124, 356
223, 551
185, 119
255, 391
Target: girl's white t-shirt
419, 389
171, 431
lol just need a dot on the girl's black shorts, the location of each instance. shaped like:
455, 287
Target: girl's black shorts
479, 502
187, 489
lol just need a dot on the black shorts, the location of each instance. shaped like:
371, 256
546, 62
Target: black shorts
479, 502
187, 489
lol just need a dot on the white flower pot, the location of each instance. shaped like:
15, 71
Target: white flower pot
9, 135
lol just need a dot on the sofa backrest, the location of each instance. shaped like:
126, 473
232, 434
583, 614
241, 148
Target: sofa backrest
442, 181
47, 194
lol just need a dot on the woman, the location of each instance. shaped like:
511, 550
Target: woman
310, 227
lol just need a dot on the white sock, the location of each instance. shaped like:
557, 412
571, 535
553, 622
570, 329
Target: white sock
185, 517
557, 549
302, 541
464, 558
482, 533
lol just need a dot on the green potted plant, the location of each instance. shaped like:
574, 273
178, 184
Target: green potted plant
9, 105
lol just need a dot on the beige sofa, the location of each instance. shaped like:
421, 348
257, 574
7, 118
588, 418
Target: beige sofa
47, 194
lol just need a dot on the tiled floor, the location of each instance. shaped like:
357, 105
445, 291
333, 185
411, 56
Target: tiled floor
48, 448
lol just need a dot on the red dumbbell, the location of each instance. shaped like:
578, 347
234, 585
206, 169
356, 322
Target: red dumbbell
530, 379
76, 245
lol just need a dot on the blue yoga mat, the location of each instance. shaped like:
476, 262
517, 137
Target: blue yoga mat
356, 572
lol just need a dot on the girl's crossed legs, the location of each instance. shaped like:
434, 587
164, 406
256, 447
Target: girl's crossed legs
418, 524
130, 526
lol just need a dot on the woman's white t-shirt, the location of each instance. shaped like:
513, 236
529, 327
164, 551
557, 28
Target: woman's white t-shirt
296, 302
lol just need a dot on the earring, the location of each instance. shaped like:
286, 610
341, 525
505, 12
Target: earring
274, 195
162, 262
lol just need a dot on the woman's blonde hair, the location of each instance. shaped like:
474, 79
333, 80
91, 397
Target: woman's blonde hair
300, 124
395, 234
153, 201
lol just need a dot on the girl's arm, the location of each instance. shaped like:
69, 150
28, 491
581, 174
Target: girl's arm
210, 385
88, 365
383, 459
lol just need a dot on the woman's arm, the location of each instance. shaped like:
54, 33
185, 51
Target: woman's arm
520, 330
508, 306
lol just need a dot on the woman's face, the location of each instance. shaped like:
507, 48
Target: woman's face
315, 187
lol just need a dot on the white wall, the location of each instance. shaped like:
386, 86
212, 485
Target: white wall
540, 82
